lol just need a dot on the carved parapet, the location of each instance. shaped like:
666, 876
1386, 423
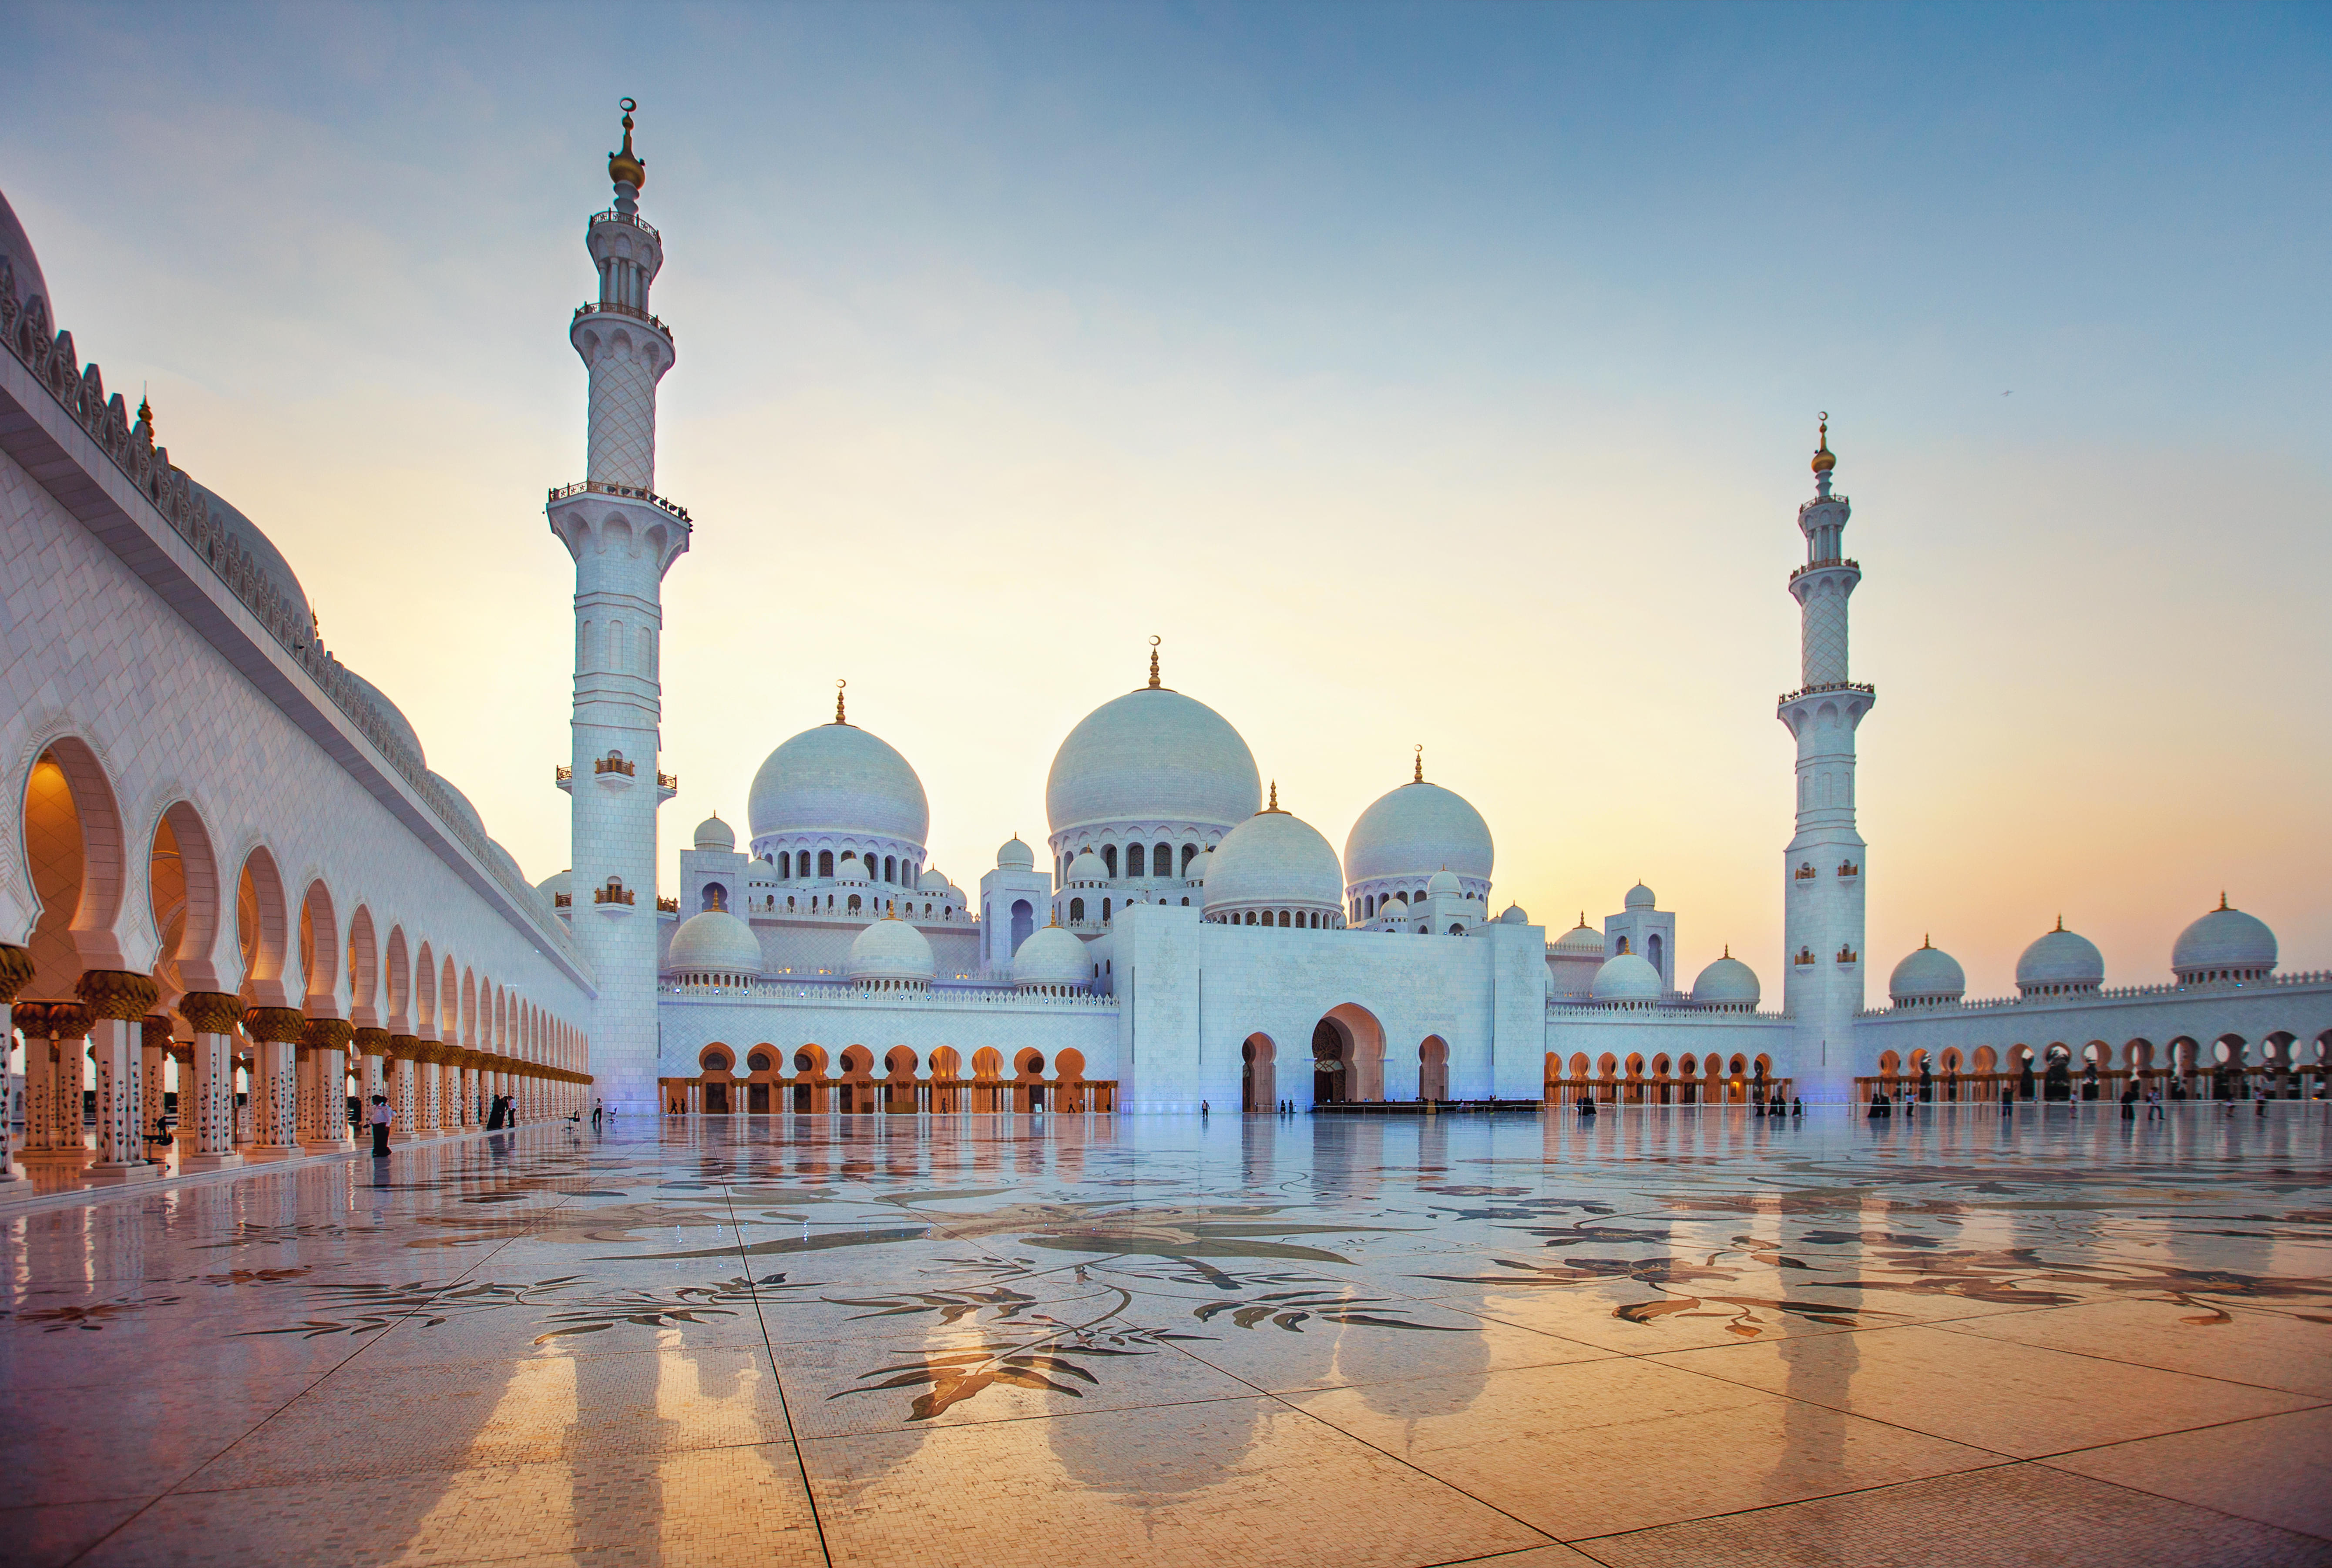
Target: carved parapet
372, 1042
275, 1025
210, 1012
116, 994
327, 1035
16, 971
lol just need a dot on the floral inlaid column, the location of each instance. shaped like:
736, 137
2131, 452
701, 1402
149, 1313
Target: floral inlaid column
207, 1087
275, 1083
116, 999
15, 974
373, 1077
328, 1044
404, 1091
432, 1077
153, 1086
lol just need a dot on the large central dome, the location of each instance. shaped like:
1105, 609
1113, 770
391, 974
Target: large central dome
1417, 830
838, 778
1152, 755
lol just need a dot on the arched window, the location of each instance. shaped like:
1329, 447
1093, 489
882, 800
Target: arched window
890, 869
825, 862
1109, 860
1076, 911
1105, 912
716, 897
854, 903
790, 900
1189, 853
1653, 953
1134, 860
1623, 945
785, 866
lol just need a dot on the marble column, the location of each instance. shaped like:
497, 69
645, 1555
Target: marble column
275, 1085
468, 1078
403, 1091
430, 1074
206, 1087
373, 1077
15, 974
117, 1000
154, 1048
328, 1043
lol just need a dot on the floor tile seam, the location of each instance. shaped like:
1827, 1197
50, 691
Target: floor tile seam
2125, 1361
1078, 1413
778, 1381
1410, 1464
1835, 1409
2222, 1511
2049, 1458
1584, 1542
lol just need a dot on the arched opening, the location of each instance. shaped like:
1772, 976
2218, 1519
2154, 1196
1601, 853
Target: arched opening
1655, 954
1688, 1080
1347, 1056
1024, 922
1259, 1080
855, 1096
1029, 1081
899, 1086
947, 1080
987, 1080
714, 897
1433, 1068
183, 885
1134, 860
1071, 1092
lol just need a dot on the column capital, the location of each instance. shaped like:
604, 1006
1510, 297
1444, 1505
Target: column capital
16, 971
277, 1026
372, 1042
327, 1034
211, 1012
155, 1030
407, 1046
116, 994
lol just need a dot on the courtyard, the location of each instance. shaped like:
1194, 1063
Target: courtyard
1687, 1336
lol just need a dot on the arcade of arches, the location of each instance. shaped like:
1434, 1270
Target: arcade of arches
2280, 1065
852, 1083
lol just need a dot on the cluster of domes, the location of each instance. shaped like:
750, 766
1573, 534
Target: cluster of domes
2225, 946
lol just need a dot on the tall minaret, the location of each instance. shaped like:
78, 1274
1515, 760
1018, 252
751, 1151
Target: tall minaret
1822, 871
624, 538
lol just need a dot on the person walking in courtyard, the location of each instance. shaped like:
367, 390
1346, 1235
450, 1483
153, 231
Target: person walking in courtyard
379, 1118
598, 1109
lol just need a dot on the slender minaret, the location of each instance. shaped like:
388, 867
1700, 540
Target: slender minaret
624, 538
1822, 871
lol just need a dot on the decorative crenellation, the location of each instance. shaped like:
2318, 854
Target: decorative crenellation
80, 390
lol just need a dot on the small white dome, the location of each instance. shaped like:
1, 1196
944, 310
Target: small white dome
933, 882
1087, 867
1642, 898
714, 834
838, 778
1014, 855
390, 715
1443, 883
714, 941
1928, 974
1152, 755
1514, 915
1274, 858
1727, 982
889, 949
1625, 979
2060, 961
1417, 828
551, 886
1052, 957
1196, 871
761, 871
1582, 941
2224, 939
1393, 906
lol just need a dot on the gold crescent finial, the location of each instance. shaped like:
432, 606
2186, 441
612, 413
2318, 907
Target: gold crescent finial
1417, 777
838, 687
1824, 459
626, 167
1153, 663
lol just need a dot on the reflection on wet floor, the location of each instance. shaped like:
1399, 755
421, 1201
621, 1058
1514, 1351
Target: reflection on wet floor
1688, 1336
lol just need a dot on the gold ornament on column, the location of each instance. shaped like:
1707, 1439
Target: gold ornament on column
210, 1012
275, 1025
117, 994
16, 972
372, 1042
327, 1035
407, 1047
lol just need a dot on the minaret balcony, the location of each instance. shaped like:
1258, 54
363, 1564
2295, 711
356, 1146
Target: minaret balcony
1834, 563
627, 492
564, 777
667, 786
610, 308
612, 217
1802, 693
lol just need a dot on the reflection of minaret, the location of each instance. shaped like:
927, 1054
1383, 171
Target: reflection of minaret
1823, 871
624, 537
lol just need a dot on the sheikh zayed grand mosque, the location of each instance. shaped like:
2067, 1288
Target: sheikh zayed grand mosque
240, 886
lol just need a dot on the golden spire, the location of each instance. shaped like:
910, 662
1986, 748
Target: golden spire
145, 418
1728, 950
838, 686
2060, 922
1275, 796
624, 167
2223, 898
1927, 941
1153, 665
1582, 920
1824, 458
1418, 775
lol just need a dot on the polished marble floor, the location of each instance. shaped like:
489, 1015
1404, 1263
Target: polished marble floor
1669, 1336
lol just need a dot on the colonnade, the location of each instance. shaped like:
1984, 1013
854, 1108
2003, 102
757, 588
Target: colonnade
297, 1072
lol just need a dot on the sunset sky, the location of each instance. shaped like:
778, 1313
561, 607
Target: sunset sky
1440, 374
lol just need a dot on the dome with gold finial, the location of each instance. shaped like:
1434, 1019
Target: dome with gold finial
626, 167
1824, 458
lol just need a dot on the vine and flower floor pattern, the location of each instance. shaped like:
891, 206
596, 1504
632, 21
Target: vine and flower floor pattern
1682, 1335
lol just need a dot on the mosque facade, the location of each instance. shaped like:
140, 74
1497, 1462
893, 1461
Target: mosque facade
1179, 940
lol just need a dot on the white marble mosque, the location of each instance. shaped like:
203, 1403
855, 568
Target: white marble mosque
238, 873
